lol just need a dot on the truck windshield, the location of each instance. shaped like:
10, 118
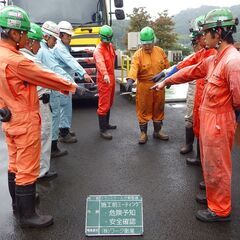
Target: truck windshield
78, 12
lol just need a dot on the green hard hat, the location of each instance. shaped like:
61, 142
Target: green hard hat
147, 35
13, 17
221, 17
36, 32
195, 30
106, 33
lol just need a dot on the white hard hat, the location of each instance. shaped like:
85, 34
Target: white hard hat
65, 27
51, 28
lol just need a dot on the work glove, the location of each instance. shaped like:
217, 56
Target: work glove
5, 114
158, 77
129, 85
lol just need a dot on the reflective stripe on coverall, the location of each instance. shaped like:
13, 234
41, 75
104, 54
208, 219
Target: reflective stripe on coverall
192, 60
104, 56
217, 122
46, 121
69, 64
18, 79
45, 56
149, 104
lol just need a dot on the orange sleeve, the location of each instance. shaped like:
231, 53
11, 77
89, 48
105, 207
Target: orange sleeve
100, 62
188, 74
34, 74
133, 73
167, 64
192, 60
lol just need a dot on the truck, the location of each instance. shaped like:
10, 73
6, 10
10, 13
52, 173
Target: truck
86, 17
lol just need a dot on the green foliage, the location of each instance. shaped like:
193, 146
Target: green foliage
175, 27
139, 19
164, 30
163, 26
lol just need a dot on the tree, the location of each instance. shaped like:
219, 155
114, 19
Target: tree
139, 19
164, 30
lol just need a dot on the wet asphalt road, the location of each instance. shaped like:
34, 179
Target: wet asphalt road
94, 166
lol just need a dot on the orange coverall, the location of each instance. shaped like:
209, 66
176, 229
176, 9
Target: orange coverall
149, 104
104, 56
18, 79
192, 60
217, 122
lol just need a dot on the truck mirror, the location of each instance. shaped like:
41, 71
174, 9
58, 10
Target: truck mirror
119, 13
118, 3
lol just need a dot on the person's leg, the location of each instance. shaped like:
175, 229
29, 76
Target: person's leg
66, 120
55, 106
217, 141
158, 115
104, 101
28, 146
46, 142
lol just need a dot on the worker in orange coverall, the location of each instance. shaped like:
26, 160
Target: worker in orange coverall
146, 62
192, 127
104, 56
22, 123
194, 59
218, 111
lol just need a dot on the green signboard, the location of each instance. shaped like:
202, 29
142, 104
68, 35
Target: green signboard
114, 215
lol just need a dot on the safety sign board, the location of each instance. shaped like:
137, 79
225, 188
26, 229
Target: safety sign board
112, 215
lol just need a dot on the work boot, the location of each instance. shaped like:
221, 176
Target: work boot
143, 136
103, 127
56, 152
11, 187
25, 197
195, 161
65, 136
109, 126
207, 215
158, 134
201, 198
189, 135
202, 185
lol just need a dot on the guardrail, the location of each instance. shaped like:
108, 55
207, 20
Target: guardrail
125, 67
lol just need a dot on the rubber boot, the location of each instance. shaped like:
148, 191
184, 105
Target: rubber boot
207, 215
103, 127
202, 185
11, 187
189, 141
65, 136
195, 161
201, 198
109, 126
158, 134
25, 197
143, 136
56, 152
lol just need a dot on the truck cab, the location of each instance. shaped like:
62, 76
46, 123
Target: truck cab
86, 18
